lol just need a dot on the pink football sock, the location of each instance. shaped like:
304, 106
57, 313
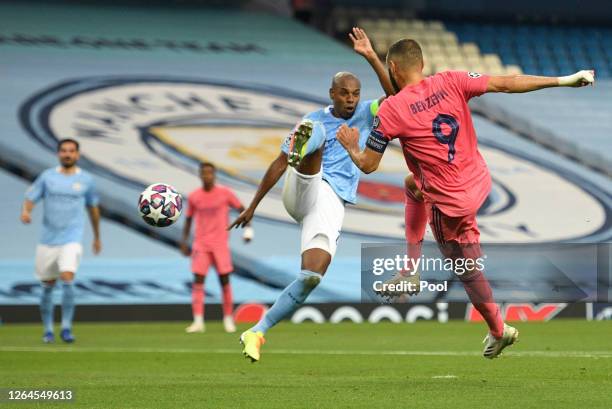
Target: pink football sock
479, 291
228, 302
415, 218
197, 299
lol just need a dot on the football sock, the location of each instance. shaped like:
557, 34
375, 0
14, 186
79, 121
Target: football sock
46, 307
289, 300
67, 304
317, 138
479, 291
415, 216
197, 300
228, 302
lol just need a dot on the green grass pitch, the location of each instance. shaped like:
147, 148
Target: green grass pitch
559, 364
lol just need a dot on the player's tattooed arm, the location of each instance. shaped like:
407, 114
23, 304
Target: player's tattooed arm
276, 169
368, 159
94, 217
527, 83
26, 211
363, 47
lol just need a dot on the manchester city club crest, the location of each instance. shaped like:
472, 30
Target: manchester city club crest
144, 129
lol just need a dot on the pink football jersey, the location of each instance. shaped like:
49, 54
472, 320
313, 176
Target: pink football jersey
434, 125
211, 212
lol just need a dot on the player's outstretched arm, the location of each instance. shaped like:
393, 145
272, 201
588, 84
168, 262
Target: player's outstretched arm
368, 159
94, 217
363, 47
273, 174
527, 83
26, 211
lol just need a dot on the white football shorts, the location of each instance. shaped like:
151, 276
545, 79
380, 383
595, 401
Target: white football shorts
53, 260
312, 202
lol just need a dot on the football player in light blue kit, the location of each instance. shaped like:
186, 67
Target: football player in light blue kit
321, 179
65, 190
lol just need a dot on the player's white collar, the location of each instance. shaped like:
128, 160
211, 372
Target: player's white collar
58, 169
328, 109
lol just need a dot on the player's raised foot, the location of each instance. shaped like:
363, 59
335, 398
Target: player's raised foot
67, 336
495, 346
195, 328
228, 324
299, 140
252, 342
48, 338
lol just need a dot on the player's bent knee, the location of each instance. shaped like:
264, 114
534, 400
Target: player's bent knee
224, 279
67, 276
317, 257
411, 187
450, 249
409, 182
467, 274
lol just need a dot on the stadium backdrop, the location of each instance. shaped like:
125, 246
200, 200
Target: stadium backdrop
153, 96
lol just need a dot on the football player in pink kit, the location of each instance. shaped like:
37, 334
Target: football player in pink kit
431, 118
210, 206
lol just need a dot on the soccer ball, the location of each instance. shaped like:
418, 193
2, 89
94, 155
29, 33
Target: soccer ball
160, 205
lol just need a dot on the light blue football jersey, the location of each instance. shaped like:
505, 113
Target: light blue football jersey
338, 168
64, 200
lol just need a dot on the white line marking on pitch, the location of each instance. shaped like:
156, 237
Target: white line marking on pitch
543, 354
444, 377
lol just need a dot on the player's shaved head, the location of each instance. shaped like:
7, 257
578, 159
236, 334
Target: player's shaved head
406, 54
341, 78
345, 92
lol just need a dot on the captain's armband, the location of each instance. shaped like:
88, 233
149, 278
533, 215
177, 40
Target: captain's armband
377, 142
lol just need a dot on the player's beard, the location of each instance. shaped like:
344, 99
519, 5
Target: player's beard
395, 86
68, 163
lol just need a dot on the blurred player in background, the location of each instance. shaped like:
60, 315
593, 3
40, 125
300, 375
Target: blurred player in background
210, 206
65, 190
321, 179
432, 119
